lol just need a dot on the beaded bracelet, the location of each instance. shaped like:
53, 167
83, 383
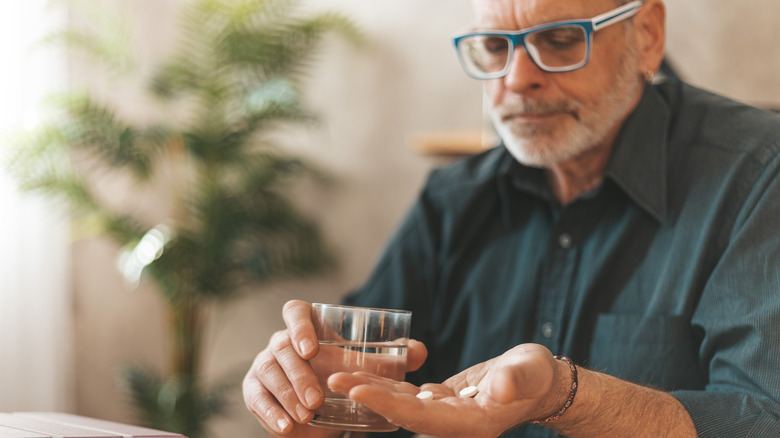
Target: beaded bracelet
572, 392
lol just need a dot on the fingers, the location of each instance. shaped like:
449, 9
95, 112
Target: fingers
512, 388
280, 387
343, 382
398, 402
288, 368
297, 317
262, 403
389, 396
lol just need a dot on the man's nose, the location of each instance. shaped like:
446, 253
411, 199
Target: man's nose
524, 74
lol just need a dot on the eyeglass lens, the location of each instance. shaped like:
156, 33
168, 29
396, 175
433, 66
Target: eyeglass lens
555, 48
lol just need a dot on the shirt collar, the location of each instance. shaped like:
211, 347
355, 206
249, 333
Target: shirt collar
638, 164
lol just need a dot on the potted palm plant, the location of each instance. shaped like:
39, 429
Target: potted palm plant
234, 79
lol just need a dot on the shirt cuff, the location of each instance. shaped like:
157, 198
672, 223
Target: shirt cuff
721, 414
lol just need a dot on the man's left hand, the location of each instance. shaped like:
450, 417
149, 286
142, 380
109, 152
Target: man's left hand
523, 384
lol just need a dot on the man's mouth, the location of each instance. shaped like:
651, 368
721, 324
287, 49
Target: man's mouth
527, 116
532, 111
535, 116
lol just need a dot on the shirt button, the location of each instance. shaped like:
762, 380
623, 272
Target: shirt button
548, 329
564, 240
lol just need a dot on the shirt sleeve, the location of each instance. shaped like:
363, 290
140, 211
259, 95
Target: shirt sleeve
739, 314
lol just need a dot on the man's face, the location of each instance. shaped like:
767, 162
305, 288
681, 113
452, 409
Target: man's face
550, 118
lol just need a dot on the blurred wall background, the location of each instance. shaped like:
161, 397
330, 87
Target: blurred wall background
35, 317
372, 101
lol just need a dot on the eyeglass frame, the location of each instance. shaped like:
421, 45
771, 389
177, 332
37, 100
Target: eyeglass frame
517, 39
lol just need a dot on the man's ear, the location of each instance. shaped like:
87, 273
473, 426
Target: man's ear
650, 28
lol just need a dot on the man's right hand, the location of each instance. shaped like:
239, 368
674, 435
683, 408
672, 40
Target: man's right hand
281, 389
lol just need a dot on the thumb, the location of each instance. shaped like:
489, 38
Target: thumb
504, 386
526, 377
415, 355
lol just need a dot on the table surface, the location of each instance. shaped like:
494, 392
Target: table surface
61, 425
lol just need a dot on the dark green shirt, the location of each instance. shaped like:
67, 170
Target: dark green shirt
667, 274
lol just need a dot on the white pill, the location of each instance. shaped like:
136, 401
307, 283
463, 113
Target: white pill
469, 391
425, 395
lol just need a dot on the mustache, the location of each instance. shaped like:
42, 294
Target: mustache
535, 107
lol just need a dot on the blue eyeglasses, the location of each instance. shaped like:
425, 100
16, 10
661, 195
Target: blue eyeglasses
553, 47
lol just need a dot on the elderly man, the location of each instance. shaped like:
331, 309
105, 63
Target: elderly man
632, 227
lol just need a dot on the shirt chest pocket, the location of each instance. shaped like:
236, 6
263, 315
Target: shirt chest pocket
657, 351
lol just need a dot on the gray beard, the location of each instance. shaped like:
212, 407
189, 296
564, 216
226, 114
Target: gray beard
544, 145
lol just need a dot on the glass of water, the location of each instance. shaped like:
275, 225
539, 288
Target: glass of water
357, 339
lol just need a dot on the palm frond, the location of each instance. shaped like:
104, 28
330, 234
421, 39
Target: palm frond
40, 163
83, 125
176, 404
101, 36
234, 79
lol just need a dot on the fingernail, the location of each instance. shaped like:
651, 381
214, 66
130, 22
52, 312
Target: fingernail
306, 346
282, 423
303, 413
312, 396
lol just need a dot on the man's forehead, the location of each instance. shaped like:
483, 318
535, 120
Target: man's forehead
518, 14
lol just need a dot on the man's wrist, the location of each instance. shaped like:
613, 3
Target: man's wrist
557, 395
586, 412
571, 393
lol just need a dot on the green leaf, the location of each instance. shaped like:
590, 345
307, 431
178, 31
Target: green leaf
175, 404
210, 165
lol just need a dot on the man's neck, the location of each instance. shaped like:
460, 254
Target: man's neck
571, 179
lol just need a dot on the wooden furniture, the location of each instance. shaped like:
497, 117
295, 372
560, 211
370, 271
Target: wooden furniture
453, 143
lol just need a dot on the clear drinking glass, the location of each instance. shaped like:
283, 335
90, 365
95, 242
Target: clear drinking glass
357, 339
